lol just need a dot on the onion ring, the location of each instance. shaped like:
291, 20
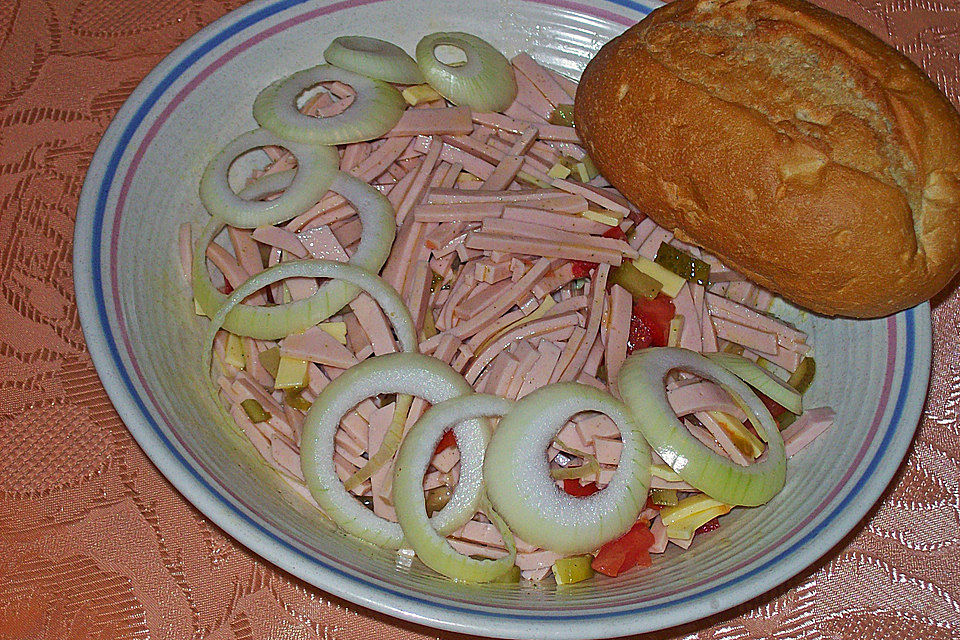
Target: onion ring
376, 108
373, 58
316, 168
518, 475
406, 373
269, 323
485, 82
408, 500
642, 387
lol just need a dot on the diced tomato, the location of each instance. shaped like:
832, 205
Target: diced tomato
650, 323
582, 268
629, 550
776, 410
708, 526
613, 559
448, 440
573, 487
640, 336
616, 233
643, 557
226, 289
651, 505
656, 314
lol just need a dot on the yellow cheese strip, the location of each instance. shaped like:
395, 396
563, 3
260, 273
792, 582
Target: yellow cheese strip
291, 373
234, 352
336, 329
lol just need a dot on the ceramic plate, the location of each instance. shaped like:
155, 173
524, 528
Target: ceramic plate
142, 332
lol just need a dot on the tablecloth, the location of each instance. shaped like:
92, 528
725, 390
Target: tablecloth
96, 544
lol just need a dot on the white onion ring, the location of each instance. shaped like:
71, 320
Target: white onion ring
385, 295
376, 108
269, 323
316, 168
761, 380
485, 82
642, 387
373, 58
402, 373
408, 499
518, 474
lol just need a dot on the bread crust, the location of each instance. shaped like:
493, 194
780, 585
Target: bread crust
789, 142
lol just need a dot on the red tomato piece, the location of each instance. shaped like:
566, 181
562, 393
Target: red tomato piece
657, 314
582, 268
644, 559
708, 526
573, 487
612, 559
640, 336
448, 440
775, 409
629, 550
644, 537
616, 233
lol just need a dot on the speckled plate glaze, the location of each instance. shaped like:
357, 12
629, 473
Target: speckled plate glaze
143, 335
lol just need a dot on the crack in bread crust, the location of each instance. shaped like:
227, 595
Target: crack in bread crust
807, 88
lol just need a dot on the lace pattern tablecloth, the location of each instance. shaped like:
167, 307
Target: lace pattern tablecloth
94, 543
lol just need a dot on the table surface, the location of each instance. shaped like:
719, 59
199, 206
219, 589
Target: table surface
95, 543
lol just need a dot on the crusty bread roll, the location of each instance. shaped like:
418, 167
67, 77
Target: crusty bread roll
787, 141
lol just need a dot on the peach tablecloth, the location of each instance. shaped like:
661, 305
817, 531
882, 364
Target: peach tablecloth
94, 543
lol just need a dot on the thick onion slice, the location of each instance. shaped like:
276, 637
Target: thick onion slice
523, 493
761, 380
642, 387
376, 108
373, 58
386, 296
407, 373
485, 82
316, 167
408, 499
269, 323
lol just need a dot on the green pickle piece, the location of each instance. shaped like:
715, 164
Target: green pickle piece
683, 264
573, 569
255, 411
801, 379
639, 284
294, 398
435, 282
562, 115
786, 420
803, 376
437, 498
270, 360
664, 497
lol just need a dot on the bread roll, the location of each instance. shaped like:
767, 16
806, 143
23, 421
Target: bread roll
787, 141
